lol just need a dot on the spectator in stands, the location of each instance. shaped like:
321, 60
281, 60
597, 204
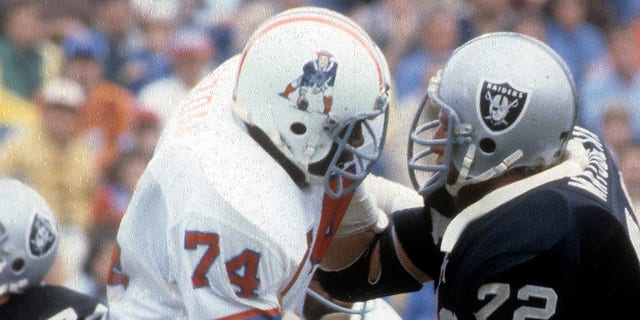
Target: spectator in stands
112, 198
115, 21
624, 11
629, 166
60, 166
580, 43
532, 25
146, 131
392, 25
193, 54
52, 159
635, 29
617, 80
617, 131
528, 7
249, 16
92, 281
61, 20
20, 59
438, 38
18, 114
486, 16
109, 108
152, 60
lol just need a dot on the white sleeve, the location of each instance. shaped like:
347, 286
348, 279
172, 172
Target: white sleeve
391, 196
372, 201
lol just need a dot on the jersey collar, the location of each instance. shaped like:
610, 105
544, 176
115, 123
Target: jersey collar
575, 165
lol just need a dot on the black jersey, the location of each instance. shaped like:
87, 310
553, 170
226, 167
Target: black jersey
52, 303
564, 249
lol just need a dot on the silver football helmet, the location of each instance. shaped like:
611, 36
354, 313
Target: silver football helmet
510, 101
310, 79
28, 237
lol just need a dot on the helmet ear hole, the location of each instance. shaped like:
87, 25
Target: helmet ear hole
487, 145
18, 265
298, 128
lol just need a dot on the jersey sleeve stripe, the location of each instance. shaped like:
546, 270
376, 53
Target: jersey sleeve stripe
271, 314
300, 266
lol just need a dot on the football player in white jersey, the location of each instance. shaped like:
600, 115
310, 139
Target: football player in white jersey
248, 186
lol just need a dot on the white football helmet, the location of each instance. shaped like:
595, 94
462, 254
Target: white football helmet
28, 237
309, 78
510, 101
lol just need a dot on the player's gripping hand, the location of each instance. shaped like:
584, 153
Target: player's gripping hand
372, 202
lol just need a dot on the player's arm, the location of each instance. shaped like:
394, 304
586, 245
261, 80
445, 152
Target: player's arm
366, 216
399, 259
374, 255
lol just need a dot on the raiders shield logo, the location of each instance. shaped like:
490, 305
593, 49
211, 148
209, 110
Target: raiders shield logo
501, 104
42, 236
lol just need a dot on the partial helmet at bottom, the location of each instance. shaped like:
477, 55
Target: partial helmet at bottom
28, 237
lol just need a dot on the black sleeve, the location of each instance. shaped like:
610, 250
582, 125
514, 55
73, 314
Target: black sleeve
615, 278
45, 302
411, 229
414, 232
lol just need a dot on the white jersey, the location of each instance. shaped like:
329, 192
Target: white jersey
216, 228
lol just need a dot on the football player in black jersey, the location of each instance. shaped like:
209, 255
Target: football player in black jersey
28, 244
525, 216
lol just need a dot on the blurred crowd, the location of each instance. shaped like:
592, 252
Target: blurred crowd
87, 85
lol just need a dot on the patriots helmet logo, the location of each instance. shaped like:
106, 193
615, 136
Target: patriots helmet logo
501, 104
318, 77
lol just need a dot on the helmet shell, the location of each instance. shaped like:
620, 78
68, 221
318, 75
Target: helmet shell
28, 237
280, 55
515, 93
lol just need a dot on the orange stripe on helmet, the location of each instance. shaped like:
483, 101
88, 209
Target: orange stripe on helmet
327, 18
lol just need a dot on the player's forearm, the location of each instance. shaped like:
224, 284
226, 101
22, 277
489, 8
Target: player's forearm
399, 259
367, 215
391, 196
346, 250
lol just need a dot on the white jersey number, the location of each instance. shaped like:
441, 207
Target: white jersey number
501, 293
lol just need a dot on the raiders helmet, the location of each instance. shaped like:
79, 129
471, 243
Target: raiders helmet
510, 101
310, 78
28, 237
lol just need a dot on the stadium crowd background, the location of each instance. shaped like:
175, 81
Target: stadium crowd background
123, 65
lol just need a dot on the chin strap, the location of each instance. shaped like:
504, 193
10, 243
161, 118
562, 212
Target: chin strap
491, 173
310, 149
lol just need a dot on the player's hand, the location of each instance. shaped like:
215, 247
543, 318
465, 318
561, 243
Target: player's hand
362, 215
372, 201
